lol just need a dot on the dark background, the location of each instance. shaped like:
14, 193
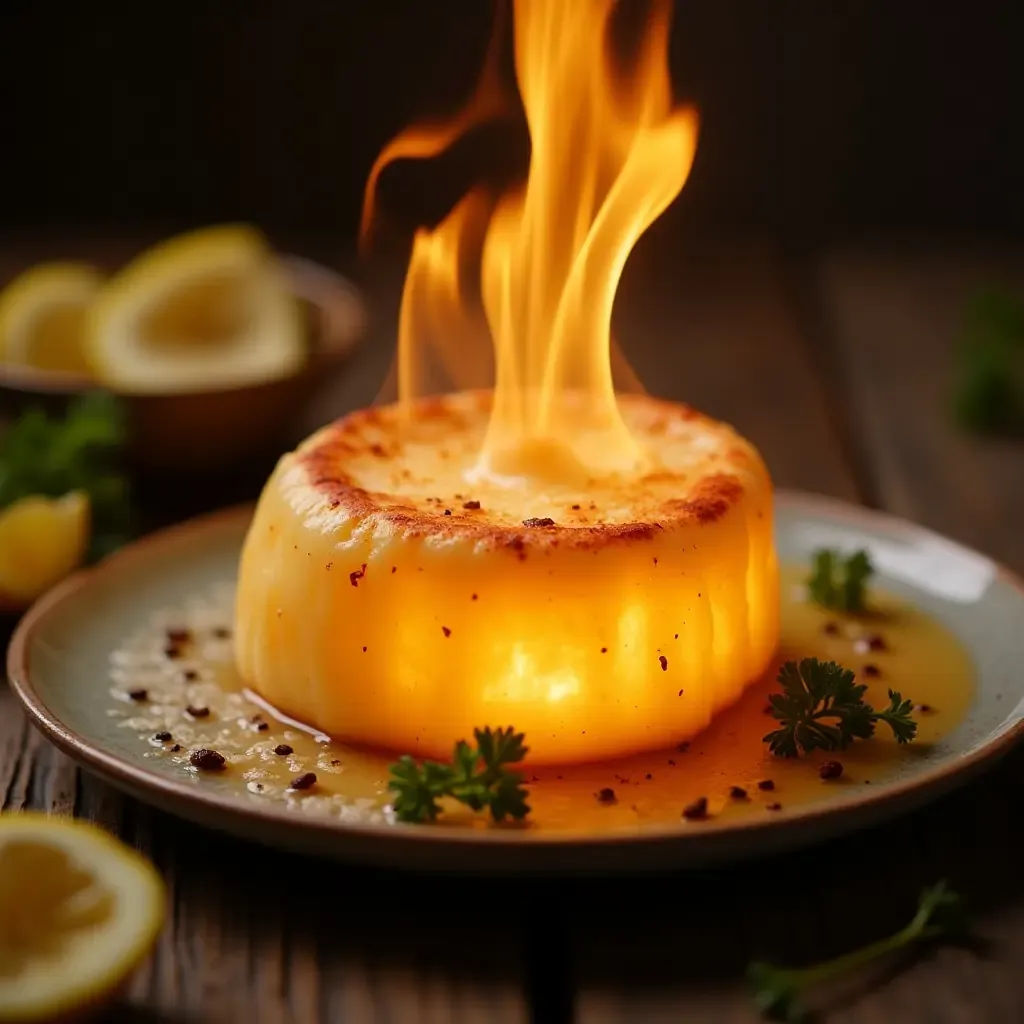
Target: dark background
821, 120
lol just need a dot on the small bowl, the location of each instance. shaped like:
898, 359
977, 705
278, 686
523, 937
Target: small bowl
201, 432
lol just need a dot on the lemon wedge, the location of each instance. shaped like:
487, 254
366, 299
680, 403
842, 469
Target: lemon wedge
43, 315
78, 911
41, 541
205, 310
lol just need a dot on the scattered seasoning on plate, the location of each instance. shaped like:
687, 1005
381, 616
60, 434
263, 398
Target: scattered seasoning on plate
830, 629
176, 748
190, 675
766, 784
207, 760
672, 763
172, 651
446, 631
307, 781
283, 749
161, 737
648, 776
737, 793
200, 712
696, 811
222, 632
606, 795
830, 770
663, 661
471, 506
872, 671
139, 694
925, 709
178, 635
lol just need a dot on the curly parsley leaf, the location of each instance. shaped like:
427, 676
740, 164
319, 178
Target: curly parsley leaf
822, 707
839, 583
478, 777
779, 992
50, 456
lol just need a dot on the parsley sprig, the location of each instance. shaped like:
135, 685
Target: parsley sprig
989, 389
839, 583
779, 992
478, 777
822, 707
50, 456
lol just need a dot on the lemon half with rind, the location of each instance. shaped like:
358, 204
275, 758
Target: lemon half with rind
43, 316
79, 911
42, 540
206, 310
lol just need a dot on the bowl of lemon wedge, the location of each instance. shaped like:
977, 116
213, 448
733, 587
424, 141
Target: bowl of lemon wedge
211, 340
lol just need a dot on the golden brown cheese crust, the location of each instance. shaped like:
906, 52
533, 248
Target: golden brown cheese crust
325, 464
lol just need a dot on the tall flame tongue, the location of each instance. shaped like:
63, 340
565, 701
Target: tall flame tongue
608, 156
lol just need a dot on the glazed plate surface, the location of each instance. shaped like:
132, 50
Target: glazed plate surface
70, 666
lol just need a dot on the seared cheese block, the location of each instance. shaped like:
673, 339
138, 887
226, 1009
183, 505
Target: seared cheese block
393, 595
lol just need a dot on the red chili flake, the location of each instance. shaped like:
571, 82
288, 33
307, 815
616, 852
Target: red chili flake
207, 760
766, 785
648, 776
446, 631
830, 770
831, 628
737, 793
394, 569
655, 561
472, 506
925, 709
696, 811
575, 508
876, 642
664, 662
606, 795
773, 807
474, 597
545, 522
357, 574
139, 694
307, 781
604, 650
283, 750
671, 763
364, 650
161, 737
378, 450
194, 712
447, 511
676, 637
178, 635
871, 670
679, 694
222, 632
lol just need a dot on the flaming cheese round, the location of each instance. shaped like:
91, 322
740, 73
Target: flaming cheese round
391, 595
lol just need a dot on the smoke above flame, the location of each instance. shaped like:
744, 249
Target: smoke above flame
534, 272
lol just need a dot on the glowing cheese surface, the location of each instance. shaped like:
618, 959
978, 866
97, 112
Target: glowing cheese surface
387, 600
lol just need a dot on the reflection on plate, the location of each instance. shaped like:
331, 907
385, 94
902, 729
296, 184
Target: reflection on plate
128, 668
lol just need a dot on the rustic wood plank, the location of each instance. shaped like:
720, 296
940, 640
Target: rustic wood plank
895, 317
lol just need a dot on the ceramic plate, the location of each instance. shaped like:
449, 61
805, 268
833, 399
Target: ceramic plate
72, 657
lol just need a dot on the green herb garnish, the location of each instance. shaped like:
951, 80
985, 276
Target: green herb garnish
822, 707
989, 390
779, 992
48, 456
477, 777
839, 583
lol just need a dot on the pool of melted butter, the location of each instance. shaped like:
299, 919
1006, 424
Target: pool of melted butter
179, 672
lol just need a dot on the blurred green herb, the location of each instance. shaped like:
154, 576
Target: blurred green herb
41, 454
989, 390
477, 777
822, 707
839, 583
779, 992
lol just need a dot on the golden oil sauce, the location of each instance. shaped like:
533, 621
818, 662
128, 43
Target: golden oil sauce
265, 752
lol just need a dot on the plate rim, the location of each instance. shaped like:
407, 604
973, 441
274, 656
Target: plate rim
537, 850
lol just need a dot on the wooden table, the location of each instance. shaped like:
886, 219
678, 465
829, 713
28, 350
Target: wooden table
837, 366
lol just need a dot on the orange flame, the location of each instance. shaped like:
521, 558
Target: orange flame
609, 153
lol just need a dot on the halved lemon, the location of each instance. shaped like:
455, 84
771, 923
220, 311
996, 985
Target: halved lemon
205, 310
43, 315
41, 541
78, 911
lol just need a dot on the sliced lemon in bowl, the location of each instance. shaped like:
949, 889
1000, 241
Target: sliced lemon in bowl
79, 910
42, 540
206, 310
43, 316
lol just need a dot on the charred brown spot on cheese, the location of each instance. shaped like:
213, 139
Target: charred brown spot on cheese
539, 523
356, 575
